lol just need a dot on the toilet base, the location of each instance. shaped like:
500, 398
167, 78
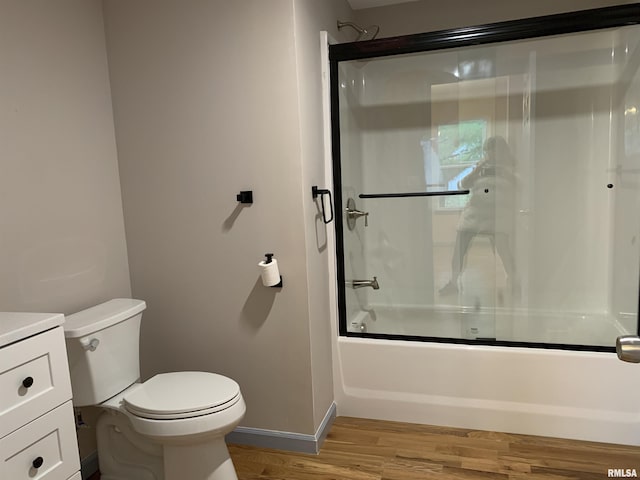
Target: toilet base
205, 461
124, 454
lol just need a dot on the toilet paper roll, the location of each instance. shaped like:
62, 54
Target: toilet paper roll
269, 273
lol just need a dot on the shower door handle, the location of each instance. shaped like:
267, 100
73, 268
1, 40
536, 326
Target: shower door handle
628, 348
442, 193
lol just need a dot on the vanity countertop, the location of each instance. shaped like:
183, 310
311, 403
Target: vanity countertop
15, 326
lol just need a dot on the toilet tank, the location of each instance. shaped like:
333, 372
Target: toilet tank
103, 349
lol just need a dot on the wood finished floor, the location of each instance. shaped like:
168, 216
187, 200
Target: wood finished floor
361, 449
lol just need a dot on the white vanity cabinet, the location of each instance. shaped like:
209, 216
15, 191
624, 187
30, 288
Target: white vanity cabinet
37, 429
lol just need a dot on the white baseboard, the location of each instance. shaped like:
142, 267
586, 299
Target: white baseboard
295, 442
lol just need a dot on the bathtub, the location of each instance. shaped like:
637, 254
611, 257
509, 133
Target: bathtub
537, 391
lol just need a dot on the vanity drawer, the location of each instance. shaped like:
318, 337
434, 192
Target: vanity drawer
43, 449
34, 378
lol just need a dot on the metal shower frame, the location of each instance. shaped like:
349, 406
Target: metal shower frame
535, 27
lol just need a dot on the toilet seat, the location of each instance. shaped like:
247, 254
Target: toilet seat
177, 428
177, 395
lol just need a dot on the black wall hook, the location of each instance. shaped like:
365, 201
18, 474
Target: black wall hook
245, 196
315, 192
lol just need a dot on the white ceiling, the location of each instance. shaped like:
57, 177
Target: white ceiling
359, 4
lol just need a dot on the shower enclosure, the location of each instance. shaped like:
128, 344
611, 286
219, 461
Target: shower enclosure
487, 183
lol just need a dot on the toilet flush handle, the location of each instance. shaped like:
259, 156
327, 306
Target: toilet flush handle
90, 344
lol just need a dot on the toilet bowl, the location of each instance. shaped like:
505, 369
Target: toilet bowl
169, 427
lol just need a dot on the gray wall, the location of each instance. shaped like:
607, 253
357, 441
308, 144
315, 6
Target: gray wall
62, 243
310, 17
211, 98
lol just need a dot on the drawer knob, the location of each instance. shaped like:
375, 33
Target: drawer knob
37, 463
26, 383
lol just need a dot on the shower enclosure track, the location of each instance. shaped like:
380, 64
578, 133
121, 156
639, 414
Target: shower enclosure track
555, 24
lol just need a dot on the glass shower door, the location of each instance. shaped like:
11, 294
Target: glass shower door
489, 192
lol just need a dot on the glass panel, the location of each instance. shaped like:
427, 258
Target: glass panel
520, 162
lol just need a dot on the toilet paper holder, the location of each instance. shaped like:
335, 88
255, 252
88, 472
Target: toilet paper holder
267, 276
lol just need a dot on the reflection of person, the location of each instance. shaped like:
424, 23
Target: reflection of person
489, 210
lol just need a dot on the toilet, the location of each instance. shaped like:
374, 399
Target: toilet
169, 427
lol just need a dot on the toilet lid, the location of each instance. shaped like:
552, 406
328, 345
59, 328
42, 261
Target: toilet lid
182, 394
